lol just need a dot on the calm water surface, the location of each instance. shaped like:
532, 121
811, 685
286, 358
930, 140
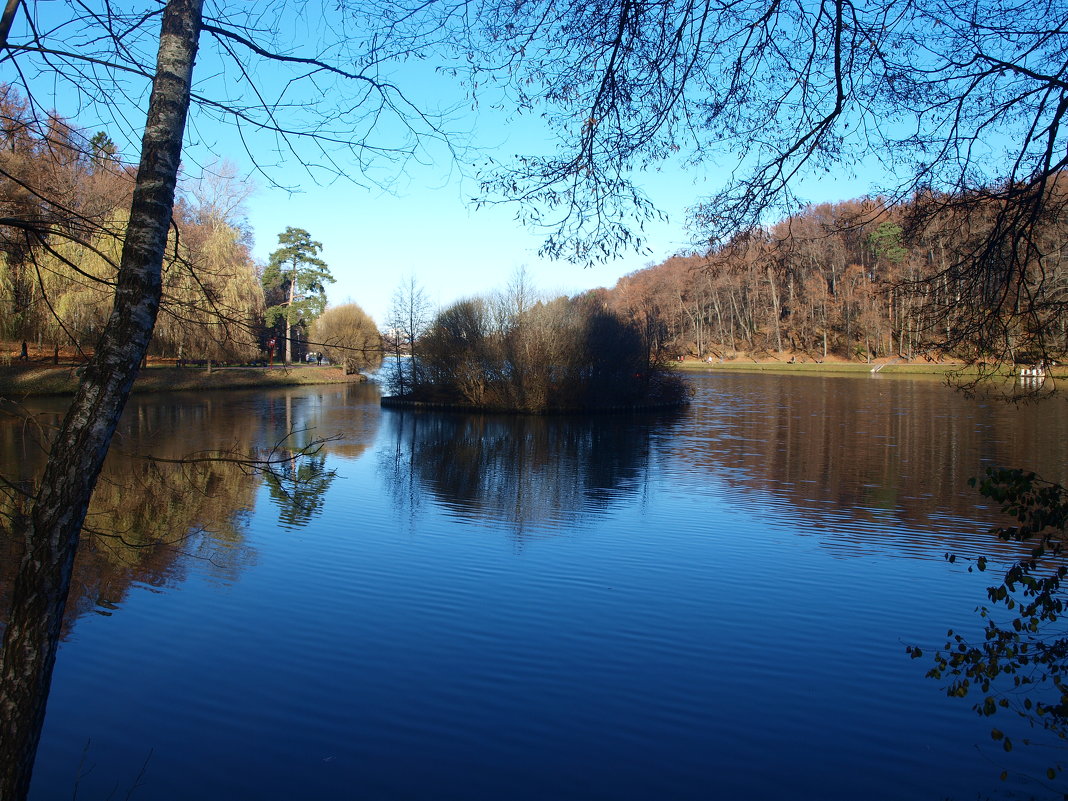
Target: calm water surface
712, 604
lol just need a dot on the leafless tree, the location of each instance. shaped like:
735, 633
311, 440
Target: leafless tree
409, 317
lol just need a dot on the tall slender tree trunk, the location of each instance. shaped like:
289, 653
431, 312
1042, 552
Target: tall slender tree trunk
51, 528
289, 315
775, 309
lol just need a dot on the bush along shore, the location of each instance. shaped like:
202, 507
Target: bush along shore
562, 356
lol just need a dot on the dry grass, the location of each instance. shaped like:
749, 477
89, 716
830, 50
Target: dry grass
20, 381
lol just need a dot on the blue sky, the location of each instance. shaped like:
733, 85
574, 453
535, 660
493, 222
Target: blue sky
372, 240
425, 223
422, 220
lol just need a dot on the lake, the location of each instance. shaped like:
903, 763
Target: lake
713, 603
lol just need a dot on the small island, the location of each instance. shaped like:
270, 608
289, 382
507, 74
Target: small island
568, 355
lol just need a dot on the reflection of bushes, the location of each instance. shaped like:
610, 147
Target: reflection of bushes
140, 503
150, 517
518, 469
565, 354
143, 518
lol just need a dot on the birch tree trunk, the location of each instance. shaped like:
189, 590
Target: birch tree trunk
52, 527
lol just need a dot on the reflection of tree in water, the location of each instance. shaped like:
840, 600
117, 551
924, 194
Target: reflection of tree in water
343, 418
298, 487
853, 456
151, 520
346, 418
148, 519
524, 471
337, 420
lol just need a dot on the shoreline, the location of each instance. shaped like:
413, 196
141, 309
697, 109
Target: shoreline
36, 380
406, 403
881, 367
42, 380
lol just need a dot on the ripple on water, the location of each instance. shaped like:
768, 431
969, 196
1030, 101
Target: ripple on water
715, 605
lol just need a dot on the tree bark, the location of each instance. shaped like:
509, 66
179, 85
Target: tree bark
775, 309
5, 21
52, 527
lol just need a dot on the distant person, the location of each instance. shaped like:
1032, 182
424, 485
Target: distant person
319, 359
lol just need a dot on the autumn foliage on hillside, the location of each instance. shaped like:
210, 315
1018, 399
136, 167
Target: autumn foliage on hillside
858, 281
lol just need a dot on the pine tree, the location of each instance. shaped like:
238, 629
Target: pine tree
297, 274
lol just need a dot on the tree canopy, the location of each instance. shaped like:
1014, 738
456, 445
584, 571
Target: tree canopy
348, 336
956, 107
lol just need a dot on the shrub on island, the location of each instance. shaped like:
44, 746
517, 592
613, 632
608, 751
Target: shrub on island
556, 356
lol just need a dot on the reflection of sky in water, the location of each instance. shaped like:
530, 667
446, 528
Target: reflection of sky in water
721, 612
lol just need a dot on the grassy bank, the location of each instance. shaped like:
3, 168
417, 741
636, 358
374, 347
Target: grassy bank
841, 367
18, 381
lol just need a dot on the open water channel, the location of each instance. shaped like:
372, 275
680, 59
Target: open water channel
708, 604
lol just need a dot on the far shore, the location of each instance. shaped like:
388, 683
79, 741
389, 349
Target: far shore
36, 378
807, 365
18, 381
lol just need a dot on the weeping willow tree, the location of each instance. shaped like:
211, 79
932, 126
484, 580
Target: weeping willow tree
212, 299
9, 319
75, 286
348, 336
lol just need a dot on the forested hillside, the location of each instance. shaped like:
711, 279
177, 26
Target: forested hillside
858, 281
